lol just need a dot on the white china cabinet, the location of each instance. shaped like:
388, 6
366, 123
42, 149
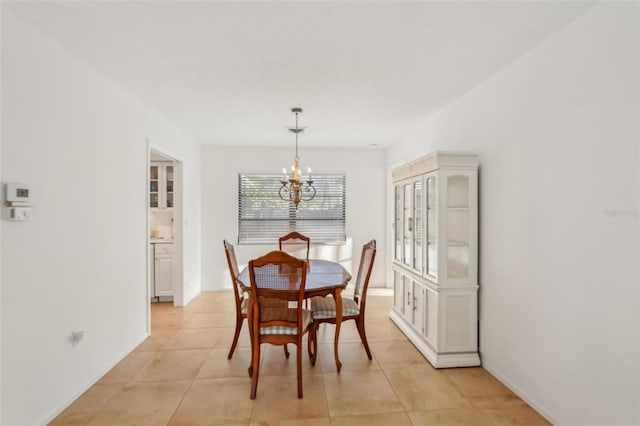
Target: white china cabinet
435, 259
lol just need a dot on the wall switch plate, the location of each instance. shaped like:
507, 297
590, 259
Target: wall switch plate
17, 213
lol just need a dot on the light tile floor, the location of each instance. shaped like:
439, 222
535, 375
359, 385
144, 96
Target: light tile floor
180, 375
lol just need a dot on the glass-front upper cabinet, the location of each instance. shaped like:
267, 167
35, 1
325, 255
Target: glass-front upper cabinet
435, 218
432, 226
161, 185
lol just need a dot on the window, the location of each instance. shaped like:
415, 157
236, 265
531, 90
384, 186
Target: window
263, 216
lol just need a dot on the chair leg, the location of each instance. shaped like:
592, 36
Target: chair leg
286, 351
312, 345
299, 366
363, 336
255, 367
316, 328
239, 320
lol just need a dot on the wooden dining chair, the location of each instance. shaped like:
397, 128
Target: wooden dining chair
295, 243
281, 276
324, 308
238, 291
241, 297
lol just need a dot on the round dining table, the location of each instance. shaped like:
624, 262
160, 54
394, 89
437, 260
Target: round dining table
324, 278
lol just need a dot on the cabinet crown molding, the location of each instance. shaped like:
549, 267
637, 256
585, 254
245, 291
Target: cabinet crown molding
435, 161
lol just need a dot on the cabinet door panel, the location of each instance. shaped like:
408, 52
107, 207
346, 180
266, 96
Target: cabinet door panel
408, 298
418, 306
432, 227
431, 317
398, 292
154, 186
458, 232
164, 275
417, 225
460, 317
397, 223
168, 177
152, 267
408, 226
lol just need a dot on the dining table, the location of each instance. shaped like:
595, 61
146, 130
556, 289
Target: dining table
324, 278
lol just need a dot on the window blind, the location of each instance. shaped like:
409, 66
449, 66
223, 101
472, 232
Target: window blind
263, 216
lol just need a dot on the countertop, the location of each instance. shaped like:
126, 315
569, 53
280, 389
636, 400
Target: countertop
160, 241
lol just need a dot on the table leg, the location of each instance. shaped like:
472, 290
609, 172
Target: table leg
337, 295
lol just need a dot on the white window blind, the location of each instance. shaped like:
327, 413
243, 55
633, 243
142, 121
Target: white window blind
263, 216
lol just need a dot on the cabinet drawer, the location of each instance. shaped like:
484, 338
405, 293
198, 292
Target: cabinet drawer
164, 248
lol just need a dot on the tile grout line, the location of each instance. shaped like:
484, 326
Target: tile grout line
180, 402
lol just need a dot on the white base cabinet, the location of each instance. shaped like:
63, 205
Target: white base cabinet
435, 257
440, 322
163, 270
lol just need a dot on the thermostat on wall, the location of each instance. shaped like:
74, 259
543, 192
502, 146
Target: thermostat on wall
17, 197
17, 194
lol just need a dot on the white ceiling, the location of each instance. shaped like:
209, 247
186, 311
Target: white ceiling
229, 72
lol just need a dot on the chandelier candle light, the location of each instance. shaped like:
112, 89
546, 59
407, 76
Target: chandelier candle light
293, 189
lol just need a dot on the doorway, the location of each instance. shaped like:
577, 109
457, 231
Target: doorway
164, 231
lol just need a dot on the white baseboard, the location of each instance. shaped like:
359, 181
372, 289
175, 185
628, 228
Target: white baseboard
541, 409
467, 360
47, 418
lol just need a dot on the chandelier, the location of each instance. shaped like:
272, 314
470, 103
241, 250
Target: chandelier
294, 189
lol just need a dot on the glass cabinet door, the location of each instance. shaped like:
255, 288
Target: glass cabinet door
169, 186
417, 225
154, 186
397, 223
408, 225
458, 227
432, 230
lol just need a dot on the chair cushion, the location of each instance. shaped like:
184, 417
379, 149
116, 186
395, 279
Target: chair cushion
325, 307
285, 314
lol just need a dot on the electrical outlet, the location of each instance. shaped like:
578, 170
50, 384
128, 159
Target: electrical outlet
75, 337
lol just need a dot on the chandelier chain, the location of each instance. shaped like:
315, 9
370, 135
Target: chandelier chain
294, 189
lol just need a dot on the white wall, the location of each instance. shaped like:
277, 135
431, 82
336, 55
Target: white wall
1, 231
80, 142
365, 177
557, 133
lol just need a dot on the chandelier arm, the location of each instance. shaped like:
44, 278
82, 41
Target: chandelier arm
310, 195
284, 190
